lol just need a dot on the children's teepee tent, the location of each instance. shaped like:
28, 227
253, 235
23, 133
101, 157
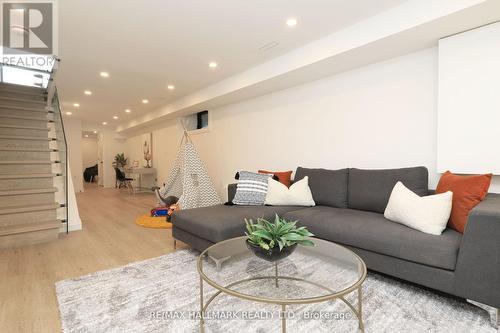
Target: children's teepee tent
189, 180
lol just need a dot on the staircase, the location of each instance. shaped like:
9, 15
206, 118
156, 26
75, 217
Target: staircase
29, 166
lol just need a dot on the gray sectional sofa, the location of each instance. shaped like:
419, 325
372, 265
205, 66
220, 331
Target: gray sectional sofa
349, 210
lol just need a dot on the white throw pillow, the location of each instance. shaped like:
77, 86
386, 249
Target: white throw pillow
428, 214
299, 194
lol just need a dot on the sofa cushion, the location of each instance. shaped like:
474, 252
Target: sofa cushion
298, 194
284, 177
217, 223
427, 214
371, 231
251, 188
328, 187
370, 189
468, 191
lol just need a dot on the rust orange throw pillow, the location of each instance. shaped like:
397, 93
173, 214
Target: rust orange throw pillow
284, 177
468, 191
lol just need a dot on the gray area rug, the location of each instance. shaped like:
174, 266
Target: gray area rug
162, 295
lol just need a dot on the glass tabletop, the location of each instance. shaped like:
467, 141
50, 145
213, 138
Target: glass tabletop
309, 274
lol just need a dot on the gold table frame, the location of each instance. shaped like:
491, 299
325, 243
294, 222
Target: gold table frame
334, 295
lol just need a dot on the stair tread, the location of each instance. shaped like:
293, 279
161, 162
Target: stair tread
26, 162
28, 175
23, 100
7, 192
27, 208
25, 127
28, 227
24, 108
24, 137
45, 119
32, 96
48, 150
16, 90
21, 87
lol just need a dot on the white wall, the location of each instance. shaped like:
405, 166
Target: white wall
73, 130
89, 152
469, 102
135, 147
380, 116
74, 221
133, 150
112, 144
165, 146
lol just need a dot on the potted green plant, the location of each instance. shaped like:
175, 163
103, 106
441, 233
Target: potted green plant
274, 241
120, 161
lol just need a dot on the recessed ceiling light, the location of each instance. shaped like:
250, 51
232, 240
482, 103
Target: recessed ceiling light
145, 101
69, 113
104, 123
86, 135
76, 105
104, 74
291, 22
127, 110
95, 132
115, 117
170, 87
212, 64
87, 92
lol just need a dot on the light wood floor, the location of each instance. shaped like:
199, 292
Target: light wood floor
109, 238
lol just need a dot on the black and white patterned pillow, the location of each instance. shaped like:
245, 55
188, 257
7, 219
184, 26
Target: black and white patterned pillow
251, 189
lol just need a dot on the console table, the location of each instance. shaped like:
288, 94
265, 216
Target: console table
138, 174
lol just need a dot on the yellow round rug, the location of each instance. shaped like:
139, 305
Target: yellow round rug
153, 222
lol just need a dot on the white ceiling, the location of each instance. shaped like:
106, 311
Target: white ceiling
409, 27
146, 45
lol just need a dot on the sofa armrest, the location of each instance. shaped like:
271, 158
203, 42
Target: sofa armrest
231, 191
478, 264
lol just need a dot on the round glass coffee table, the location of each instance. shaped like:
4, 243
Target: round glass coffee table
316, 274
